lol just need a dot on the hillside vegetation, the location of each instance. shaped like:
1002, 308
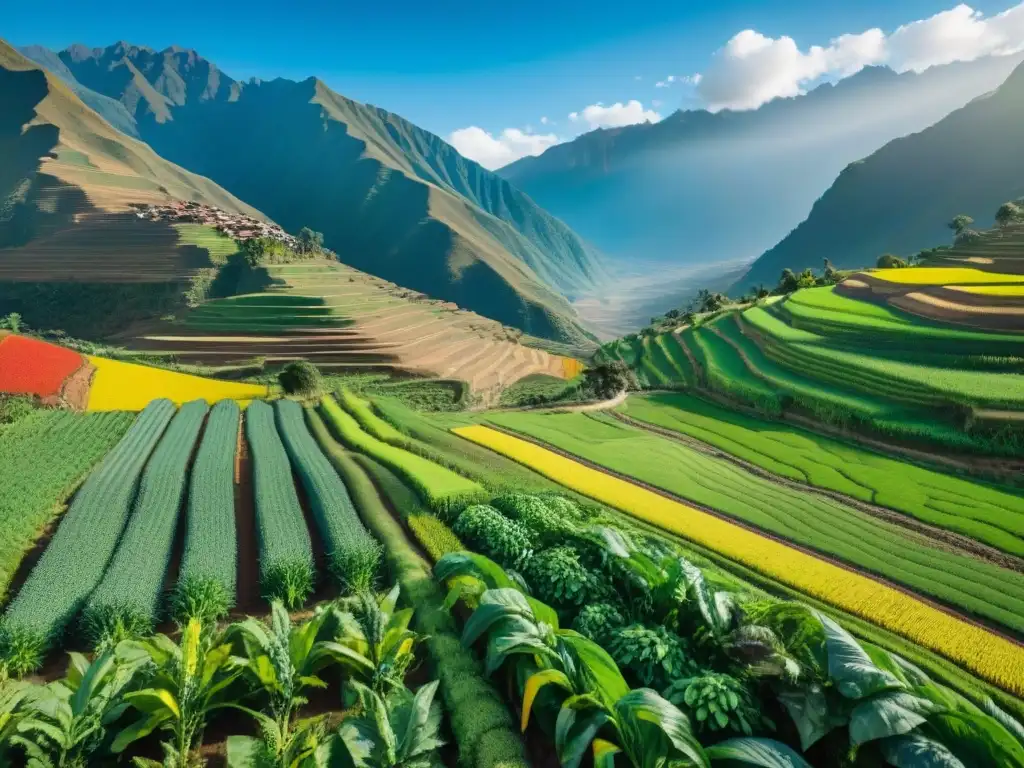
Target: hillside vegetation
389, 197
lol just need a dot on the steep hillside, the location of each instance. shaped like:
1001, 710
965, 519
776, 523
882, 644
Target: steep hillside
390, 198
700, 187
899, 199
68, 181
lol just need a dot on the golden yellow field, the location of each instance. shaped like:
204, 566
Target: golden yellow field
118, 386
943, 276
571, 367
1016, 291
988, 655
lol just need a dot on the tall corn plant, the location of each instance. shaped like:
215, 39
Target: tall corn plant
189, 682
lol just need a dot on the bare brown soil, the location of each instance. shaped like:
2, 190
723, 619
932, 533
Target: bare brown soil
948, 609
247, 590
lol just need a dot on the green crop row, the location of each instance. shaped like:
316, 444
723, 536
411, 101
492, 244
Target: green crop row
362, 411
676, 357
353, 557
126, 602
441, 488
77, 556
725, 372
481, 725
992, 515
822, 524
206, 582
287, 572
44, 456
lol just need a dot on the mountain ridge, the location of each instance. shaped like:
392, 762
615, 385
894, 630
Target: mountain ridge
675, 190
390, 198
911, 187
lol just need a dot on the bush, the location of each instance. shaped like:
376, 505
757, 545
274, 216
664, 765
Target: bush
598, 620
534, 514
654, 655
433, 535
300, 378
558, 578
889, 261
487, 531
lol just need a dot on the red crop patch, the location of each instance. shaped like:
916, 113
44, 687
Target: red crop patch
31, 367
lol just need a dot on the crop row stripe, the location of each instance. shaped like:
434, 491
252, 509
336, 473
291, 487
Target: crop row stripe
986, 654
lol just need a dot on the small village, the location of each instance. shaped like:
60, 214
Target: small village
234, 225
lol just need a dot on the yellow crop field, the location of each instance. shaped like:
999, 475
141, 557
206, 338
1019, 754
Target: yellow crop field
1016, 291
984, 653
118, 386
571, 368
943, 276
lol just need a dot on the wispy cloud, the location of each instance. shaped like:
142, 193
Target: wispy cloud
615, 115
492, 151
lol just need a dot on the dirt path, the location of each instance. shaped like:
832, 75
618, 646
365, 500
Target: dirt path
951, 610
927, 534
247, 590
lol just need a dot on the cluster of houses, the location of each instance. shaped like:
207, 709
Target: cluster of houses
235, 225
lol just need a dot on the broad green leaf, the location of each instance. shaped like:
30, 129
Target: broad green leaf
533, 685
498, 605
608, 681
765, 753
471, 564
809, 710
917, 751
245, 752
154, 701
575, 729
643, 705
138, 730
978, 740
887, 714
850, 668
604, 753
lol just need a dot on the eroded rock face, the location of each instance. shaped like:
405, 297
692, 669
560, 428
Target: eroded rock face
75, 392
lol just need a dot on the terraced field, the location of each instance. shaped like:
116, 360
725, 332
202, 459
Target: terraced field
820, 524
340, 318
991, 515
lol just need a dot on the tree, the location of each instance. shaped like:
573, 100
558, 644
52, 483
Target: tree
890, 261
806, 279
12, 322
1009, 213
960, 222
310, 242
300, 378
787, 282
254, 249
607, 380
672, 314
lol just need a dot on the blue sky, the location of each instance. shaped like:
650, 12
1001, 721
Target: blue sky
448, 65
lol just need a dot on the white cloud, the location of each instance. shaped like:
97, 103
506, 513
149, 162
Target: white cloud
614, 116
544, 121
752, 69
666, 82
496, 151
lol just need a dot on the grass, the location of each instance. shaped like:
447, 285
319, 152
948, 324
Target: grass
725, 372
988, 514
535, 389
362, 411
420, 394
441, 488
822, 524
989, 655
676, 357
44, 456
219, 247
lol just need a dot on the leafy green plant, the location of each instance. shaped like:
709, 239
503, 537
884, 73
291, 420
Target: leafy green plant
717, 701
558, 577
300, 378
487, 530
548, 525
401, 730
598, 620
189, 682
379, 633
654, 655
68, 719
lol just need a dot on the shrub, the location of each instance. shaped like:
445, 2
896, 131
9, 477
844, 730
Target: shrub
716, 702
654, 655
300, 378
889, 261
598, 620
557, 577
534, 514
487, 531
434, 536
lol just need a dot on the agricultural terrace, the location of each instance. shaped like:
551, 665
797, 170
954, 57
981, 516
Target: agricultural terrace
944, 276
45, 455
991, 515
120, 386
341, 318
992, 657
817, 523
